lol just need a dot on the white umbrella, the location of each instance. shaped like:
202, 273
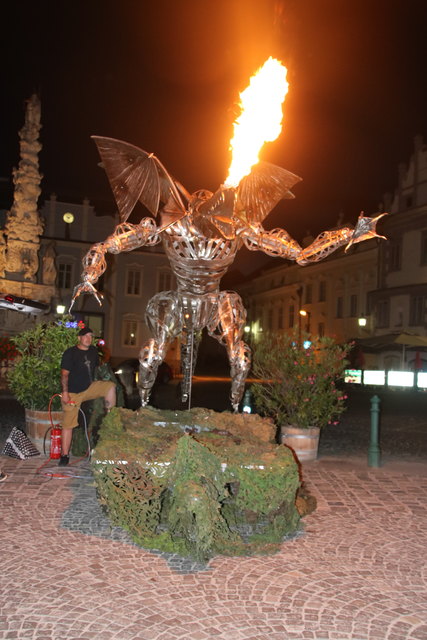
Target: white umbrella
386, 341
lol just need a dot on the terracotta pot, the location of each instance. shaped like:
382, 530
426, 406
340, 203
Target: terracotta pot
303, 442
38, 422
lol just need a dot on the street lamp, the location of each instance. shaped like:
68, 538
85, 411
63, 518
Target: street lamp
306, 314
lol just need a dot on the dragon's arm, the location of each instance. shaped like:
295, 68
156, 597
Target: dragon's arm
279, 243
126, 237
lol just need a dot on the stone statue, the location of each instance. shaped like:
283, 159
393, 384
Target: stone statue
49, 268
23, 224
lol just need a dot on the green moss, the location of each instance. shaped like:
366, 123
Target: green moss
228, 489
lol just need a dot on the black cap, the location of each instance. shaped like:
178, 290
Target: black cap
84, 331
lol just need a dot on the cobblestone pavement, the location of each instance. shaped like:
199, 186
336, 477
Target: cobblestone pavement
357, 571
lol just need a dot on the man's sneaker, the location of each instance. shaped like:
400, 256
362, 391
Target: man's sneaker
3, 476
64, 460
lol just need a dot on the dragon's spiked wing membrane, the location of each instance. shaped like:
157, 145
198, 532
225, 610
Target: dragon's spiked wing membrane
136, 175
261, 190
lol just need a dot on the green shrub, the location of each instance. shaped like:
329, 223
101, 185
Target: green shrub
299, 382
36, 374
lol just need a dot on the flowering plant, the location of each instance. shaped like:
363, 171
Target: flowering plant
298, 377
7, 349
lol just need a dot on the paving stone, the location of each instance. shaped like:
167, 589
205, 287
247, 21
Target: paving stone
355, 572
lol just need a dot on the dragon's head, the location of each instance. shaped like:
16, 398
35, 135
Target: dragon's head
213, 212
197, 200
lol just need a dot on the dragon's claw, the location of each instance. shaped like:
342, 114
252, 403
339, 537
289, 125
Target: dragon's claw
365, 229
85, 287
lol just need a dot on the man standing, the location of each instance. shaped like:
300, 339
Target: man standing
77, 379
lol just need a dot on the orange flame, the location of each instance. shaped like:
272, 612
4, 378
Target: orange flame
260, 120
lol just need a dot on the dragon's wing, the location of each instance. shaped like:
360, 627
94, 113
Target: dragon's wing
261, 190
136, 175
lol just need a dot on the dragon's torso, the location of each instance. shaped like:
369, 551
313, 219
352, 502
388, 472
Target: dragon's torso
198, 262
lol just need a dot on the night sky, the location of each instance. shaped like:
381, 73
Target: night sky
165, 76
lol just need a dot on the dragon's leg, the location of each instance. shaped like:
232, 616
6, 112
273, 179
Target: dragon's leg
190, 341
163, 317
228, 330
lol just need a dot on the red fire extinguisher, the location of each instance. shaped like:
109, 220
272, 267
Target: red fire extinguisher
55, 442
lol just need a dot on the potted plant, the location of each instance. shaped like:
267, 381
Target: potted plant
297, 387
36, 374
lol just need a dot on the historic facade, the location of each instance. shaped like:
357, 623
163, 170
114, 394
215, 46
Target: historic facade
398, 304
332, 294
128, 284
383, 282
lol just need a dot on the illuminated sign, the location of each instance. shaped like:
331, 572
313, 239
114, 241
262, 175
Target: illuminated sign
353, 376
400, 379
422, 380
374, 377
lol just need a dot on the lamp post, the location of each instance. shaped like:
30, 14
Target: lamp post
362, 323
299, 297
305, 314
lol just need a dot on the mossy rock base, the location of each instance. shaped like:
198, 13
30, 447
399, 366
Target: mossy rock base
197, 482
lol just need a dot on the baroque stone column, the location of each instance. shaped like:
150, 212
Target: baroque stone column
23, 224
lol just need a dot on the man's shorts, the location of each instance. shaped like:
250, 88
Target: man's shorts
97, 389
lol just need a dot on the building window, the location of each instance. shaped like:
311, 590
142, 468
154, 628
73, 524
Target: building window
308, 293
130, 332
383, 313
339, 307
164, 280
322, 291
424, 248
291, 317
280, 318
133, 282
395, 255
353, 306
93, 320
417, 310
321, 329
65, 272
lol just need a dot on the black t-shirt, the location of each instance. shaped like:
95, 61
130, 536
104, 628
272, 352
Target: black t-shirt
81, 365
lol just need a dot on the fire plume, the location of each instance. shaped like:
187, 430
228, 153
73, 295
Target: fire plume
260, 120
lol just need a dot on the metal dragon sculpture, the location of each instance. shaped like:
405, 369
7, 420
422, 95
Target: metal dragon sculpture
201, 234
